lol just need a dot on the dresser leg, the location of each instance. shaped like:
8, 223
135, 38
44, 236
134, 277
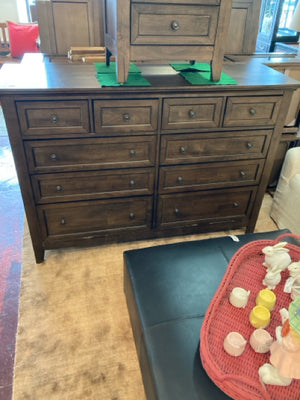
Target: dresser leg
216, 69
122, 66
39, 255
107, 56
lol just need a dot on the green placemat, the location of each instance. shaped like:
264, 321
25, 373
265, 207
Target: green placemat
134, 79
191, 67
102, 68
203, 78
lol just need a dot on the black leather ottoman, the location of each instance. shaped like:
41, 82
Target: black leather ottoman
168, 289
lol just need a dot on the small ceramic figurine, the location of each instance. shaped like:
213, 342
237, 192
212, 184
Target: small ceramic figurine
293, 282
277, 257
284, 363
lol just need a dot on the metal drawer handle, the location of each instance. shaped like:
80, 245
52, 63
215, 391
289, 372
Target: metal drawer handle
132, 153
54, 119
252, 111
132, 183
192, 114
58, 188
175, 25
131, 216
180, 179
249, 145
182, 150
235, 204
126, 117
176, 212
53, 157
243, 174
63, 221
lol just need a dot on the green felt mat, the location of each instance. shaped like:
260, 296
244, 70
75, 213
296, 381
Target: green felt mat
203, 78
191, 67
102, 68
134, 79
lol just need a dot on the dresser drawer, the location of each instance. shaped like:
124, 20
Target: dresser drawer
216, 205
53, 117
72, 155
212, 147
96, 216
192, 113
252, 111
74, 186
164, 24
125, 116
201, 176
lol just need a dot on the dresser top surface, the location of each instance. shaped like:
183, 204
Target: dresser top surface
36, 73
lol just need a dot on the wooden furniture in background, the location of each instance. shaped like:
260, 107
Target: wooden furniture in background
166, 30
97, 165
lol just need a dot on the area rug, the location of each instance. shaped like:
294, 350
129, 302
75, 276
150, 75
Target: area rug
74, 336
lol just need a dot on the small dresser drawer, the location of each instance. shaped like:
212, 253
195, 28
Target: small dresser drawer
194, 148
80, 154
74, 186
193, 113
125, 116
216, 205
53, 117
252, 111
164, 24
201, 176
96, 216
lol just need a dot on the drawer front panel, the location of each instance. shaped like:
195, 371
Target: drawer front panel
200, 176
53, 117
67, 155
160, 24
90, 185
125, 116
201, 148
190, 208
192, 113
96, 216
252, 111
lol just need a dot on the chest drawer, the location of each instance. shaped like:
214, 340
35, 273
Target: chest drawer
91, 217
192, 113
252, 111
94, 184
201, 176
67, 155
164, 24
53, 117
192, 208
125, 116
208, 147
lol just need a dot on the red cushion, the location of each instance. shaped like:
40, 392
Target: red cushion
22, 38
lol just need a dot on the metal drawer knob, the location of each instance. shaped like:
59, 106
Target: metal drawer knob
176, 212
54, 119
132, 153
249, 145
182, 150
235, 204
252, 111
126, 117
180, 179
63, 221
243, 174
53, 157
132, 183
175, 25
58, 188
131, 216
192, 114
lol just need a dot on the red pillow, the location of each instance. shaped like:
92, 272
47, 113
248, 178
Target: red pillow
22, 38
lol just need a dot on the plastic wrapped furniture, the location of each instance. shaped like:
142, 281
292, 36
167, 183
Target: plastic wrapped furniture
285, 209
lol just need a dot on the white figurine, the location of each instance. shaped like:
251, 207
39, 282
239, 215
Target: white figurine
272, 278
277, 256
294, 269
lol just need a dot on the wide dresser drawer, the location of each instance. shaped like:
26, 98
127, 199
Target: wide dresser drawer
192, 113
53, 117
207, 147
173, 24
252, 111
192, 208
125, 116
201, 176
96, 216
74, 186
67, 155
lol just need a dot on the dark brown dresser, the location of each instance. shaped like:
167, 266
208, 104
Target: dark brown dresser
103, 164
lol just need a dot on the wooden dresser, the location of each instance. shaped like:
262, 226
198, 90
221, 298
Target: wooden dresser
166, 30
98, 165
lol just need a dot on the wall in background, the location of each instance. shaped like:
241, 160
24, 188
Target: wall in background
13, 10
